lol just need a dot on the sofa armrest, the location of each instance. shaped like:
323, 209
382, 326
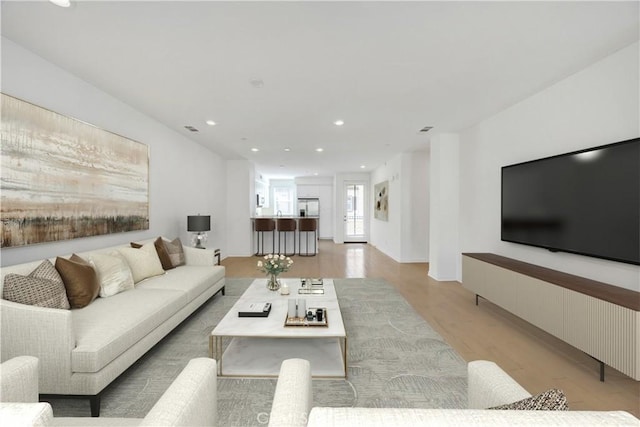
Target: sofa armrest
490, 386
26, 414
190, 400
204, 257
293, 397
45, 333
19, 380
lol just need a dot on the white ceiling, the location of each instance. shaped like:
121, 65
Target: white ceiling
387, 69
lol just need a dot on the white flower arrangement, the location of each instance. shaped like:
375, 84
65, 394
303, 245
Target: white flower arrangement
275, 264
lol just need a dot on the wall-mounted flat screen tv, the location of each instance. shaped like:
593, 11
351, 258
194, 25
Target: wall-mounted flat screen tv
586, 202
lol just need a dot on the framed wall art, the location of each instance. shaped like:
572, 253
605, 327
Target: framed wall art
62, 178
381, 203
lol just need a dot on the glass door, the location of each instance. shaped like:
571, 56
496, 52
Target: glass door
354, 212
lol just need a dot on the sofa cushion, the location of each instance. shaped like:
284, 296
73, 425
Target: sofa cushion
80, 280
110, 326
170, 252
113, 273
410, 417
43, 287
192, 280
143, 261
550, 400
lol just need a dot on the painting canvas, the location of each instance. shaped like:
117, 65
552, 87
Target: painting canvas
63, 179
381, 206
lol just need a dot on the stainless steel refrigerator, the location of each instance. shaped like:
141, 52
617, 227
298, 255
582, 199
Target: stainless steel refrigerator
309, 206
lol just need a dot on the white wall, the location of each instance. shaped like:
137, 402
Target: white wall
240, 207
444, 229
386, 235
415, 212
598, 105
185, 178
405, 236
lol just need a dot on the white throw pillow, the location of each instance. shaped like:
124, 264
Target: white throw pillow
143, 262
113, 273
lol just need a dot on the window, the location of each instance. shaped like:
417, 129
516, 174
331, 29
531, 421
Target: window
283, 200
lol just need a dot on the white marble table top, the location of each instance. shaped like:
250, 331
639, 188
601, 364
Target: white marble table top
273, 326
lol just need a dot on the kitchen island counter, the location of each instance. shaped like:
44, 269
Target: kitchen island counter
293, 239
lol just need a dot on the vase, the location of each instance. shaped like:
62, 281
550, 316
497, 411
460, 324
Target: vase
273, 284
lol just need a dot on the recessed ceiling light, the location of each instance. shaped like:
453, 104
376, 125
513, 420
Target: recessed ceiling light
287, 149
362, 166
315, 173
338, 122
319, 150
254, 149
210, 122
61, 3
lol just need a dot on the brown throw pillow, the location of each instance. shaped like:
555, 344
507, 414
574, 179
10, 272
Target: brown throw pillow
80, 280
550, 400
135, 245
163, 253
176, 253
43, 287
170, 252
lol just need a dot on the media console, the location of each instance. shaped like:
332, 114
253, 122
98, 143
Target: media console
599, 319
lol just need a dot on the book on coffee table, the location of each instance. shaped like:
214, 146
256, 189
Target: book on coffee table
255, 309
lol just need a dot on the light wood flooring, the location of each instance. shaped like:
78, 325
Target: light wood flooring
537, 360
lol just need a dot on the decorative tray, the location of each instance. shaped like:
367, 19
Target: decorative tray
303, 321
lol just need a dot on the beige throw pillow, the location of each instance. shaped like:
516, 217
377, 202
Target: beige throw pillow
79, 279
143, 262
43, 287
113, 273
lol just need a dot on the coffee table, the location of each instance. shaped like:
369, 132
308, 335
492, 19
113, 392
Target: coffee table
256, 346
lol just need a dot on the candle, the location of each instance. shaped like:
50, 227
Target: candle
292, 308
284, 289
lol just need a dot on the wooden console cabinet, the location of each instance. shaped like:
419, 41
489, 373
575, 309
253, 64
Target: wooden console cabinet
600, 319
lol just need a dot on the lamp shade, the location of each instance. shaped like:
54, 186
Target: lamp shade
198, 223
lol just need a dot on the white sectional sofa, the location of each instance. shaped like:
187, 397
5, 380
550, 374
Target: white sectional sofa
81, 351
489, 386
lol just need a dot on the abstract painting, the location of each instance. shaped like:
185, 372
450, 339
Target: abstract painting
64, 179
381, 206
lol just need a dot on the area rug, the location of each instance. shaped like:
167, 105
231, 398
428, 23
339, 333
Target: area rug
395, 359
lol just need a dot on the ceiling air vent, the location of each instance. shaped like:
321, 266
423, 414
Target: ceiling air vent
191, 128
426, 129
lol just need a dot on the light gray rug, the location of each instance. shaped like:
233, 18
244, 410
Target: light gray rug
395, 360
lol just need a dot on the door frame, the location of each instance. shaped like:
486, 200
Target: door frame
365, 236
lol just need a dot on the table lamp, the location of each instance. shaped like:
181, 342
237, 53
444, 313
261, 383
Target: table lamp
199, 224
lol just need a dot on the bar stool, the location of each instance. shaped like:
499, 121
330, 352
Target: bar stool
307, 225
286, 225
261, 226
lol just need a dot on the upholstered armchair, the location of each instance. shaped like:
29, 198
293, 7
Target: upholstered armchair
189, 401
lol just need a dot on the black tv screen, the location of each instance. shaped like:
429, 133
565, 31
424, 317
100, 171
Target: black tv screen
586, 202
